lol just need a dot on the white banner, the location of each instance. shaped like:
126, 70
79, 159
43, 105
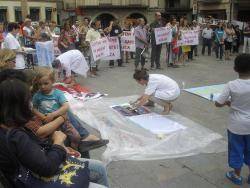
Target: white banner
100, 48
114, 49
128, 41
163, 35
190, 37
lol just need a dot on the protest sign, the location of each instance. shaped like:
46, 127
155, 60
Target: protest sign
114, 49
100, 48
163, 35
128, 41
190, 37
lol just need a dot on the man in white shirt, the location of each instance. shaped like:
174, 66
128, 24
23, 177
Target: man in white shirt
160, 89
207, 35
10, 42
71, 61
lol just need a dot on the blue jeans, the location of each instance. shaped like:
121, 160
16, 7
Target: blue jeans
98, 173
219, 47
77, 125
238, 150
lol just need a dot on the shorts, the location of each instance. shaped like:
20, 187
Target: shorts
238, 150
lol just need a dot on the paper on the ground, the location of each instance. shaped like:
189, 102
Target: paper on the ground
127, 110
128, 141
208, 92
157, 124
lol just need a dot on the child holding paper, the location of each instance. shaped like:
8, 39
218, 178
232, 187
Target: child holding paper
236, 95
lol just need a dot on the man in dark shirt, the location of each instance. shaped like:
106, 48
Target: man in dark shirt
116, 31
246, 38
156, 49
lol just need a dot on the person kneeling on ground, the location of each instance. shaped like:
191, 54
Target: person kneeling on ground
160, 89
70, 63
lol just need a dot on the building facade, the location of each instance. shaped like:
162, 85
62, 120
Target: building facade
218, 9
178, 8
107, 10
241, 10
11, 10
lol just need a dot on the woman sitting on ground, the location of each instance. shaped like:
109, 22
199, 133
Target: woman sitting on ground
17, 141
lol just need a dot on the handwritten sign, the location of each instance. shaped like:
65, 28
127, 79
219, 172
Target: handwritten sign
128, 41
100, 48
190, 37
163, 35
114, 49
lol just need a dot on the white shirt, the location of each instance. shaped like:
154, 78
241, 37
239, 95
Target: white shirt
10, 42
162, 87
73, 60
207, 33
239, 92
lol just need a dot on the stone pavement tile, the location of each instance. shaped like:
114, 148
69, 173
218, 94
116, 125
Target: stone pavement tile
135, 181
188, 180
202, 163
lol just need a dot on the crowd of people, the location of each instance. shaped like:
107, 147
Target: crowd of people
223, 39
35, 118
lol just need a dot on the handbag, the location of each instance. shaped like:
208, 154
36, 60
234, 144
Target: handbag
73, 173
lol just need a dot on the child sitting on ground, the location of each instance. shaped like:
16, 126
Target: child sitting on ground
236, 95
50, 103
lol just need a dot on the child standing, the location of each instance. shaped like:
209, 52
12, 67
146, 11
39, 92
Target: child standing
236, 94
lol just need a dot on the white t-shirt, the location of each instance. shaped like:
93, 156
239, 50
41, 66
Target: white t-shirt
162, 87
239, 92
73, 60
207, 33
10, 42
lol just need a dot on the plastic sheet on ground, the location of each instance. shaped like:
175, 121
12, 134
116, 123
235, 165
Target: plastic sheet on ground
129, 141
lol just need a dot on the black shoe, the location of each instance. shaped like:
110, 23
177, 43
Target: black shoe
89, 145
170, 64
121, 65
159, 68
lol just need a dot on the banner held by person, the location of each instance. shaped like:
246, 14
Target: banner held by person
114, 49
128, 41
163, 35
190, 37
100, 48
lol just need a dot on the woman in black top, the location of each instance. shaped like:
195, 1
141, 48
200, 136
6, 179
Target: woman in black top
15, 112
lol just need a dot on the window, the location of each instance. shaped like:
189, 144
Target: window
173, 3
48, 14
3, 14
35, 14
18, 14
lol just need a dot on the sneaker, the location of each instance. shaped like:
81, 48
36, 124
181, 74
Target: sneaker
234, 178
